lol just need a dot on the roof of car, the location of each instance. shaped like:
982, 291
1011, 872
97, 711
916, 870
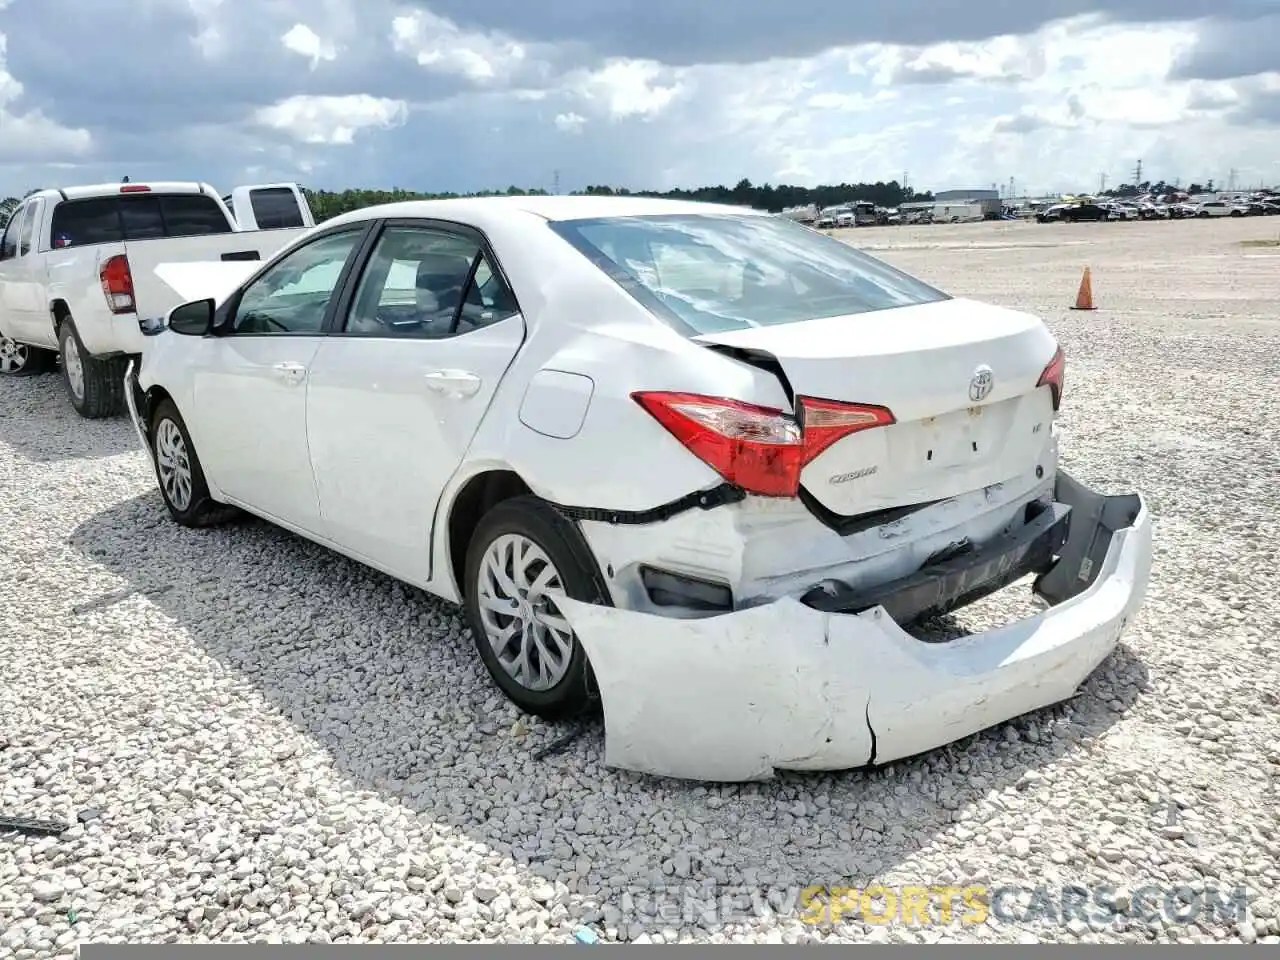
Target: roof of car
479, 210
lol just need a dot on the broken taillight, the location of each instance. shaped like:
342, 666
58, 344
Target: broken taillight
117, 283
760, 449
1054, 377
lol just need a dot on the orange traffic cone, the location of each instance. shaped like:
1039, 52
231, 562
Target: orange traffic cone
1084, 297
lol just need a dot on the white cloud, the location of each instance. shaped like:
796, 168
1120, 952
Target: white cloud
630, 88
570, 122
305, 42
331, 120
30, 135
440, 45
1052, 108
208, 38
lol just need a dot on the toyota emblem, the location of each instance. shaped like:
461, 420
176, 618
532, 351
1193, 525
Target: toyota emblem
980, 386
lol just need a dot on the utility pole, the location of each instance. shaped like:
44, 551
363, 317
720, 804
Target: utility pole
1137, 174
1102, 183
556, 181
1231, 180
1011, 193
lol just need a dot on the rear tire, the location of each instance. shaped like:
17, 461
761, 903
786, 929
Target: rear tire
21, 360
95, 386
526, 553
179, 474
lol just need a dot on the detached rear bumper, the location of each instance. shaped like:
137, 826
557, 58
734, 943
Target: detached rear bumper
786, 686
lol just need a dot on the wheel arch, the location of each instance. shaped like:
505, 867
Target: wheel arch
480, 494
59, 310
152, 398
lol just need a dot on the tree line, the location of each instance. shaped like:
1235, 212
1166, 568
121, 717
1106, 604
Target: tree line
771, 197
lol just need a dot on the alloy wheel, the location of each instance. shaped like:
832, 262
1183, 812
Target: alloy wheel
173, 465
517, 594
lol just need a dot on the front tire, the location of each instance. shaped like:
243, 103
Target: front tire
96, 386
21, 360
179, 474
523, 555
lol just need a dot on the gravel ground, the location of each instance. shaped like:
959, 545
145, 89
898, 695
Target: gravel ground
268, 742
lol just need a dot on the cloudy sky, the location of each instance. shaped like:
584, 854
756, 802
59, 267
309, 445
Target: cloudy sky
463, 95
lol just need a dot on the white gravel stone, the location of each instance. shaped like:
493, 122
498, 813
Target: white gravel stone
281, 745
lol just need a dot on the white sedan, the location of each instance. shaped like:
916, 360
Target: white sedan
697, 465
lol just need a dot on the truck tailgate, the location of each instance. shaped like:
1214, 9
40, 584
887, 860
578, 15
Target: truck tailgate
154, 297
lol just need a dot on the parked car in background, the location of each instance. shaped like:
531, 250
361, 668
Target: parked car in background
1052, 213
1078, 212
76, 270
1222, 208
664, 454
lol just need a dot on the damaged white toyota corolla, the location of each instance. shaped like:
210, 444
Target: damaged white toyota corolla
695, 464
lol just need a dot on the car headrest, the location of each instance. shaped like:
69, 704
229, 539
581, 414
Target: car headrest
442, 270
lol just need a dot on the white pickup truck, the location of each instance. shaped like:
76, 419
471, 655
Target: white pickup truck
77, 270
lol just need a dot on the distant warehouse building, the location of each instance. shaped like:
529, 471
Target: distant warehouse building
967, 204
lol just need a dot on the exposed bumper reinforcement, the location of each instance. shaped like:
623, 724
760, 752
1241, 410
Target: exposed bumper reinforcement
962, 579
133, 400
736, 696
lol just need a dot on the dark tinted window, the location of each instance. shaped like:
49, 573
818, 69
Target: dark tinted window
275, 207
142, 217
9, 246
77, 222
192, 215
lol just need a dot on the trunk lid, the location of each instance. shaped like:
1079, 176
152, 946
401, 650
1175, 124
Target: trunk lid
960, 378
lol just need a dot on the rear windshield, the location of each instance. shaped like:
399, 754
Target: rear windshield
710, 273
139, 216
275, 208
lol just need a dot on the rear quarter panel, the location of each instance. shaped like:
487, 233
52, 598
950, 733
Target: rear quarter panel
580, 322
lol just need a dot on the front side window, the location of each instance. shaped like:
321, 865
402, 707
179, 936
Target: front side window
710, 273
292, 296
28, 228
9, 245
426, 283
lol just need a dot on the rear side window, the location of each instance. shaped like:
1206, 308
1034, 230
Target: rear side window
275, 208
77, 223
707, 273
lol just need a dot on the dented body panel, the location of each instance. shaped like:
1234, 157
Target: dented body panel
782, 686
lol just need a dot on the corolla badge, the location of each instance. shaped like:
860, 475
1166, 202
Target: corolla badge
854, 475
981, 384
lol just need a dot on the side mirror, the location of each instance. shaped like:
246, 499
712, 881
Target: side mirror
194, 319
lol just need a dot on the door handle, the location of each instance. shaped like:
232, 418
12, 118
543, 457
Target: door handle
454, 383
290, 373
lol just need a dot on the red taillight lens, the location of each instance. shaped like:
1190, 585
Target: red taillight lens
823, 422
135, 188
1054, 376
760, 449
117, 283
